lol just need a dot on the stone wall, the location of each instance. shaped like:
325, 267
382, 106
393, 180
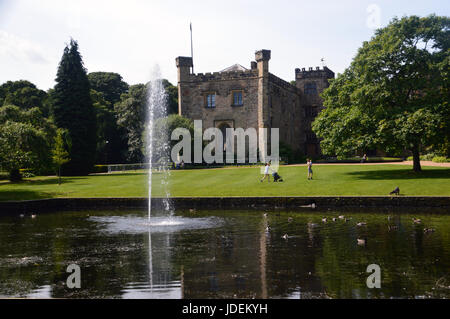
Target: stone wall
286, 112
222, 84
421, 204
312, 103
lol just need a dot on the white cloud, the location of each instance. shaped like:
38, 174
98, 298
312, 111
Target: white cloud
20, 49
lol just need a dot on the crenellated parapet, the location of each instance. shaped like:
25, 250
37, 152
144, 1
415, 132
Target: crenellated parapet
223, 76
303, 73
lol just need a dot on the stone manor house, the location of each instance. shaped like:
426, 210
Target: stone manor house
240, 97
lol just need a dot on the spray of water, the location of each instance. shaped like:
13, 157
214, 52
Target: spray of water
158, 146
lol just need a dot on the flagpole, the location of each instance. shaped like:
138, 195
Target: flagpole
192, 51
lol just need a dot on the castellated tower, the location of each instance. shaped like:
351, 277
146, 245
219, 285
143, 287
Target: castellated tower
184, 65
311, 83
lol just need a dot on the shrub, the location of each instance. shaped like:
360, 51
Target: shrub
440, 159
100, 169
26, 172
427, 157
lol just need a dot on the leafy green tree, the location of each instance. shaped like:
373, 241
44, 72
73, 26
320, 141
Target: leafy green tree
111, 147
131, 116
25, 138
394, 95
25, 95
172, 97
110, 84
163, 129
60, 155
73, 110
112, 142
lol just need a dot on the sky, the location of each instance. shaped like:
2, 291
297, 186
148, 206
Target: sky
131, 37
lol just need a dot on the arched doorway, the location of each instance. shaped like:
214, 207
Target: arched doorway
223, 125
223, 128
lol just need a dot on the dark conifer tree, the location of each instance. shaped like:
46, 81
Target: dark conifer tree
73, 110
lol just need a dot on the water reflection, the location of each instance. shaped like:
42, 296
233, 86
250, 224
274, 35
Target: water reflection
228, 254
159, 284
43, 292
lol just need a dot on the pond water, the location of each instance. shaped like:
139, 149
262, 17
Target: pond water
224, 254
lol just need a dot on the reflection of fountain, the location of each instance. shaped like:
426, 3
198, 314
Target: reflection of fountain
159, 281
158, 147
263, 258
150, 261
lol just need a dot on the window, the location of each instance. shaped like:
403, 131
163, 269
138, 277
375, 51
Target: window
310, 88
210, 100
237, 98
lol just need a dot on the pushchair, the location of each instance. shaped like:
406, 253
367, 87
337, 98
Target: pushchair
276, 177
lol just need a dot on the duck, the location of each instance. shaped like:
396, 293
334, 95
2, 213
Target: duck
416, 221
341, 217
347, 219
392, 228
265, 214
267, 229
33, 215
285, 236
334, 219
324, 219
361, 242
192, 210
290, 219
361, 224
428, 230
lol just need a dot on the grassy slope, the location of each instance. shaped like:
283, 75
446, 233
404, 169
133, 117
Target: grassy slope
328, 180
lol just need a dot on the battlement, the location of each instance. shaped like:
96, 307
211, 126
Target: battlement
314, 73
183, 61
223, 76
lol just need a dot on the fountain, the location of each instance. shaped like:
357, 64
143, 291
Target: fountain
158, 146
162, 222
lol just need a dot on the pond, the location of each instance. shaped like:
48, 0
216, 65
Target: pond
224, 254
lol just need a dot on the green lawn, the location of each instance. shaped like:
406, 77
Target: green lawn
328, 180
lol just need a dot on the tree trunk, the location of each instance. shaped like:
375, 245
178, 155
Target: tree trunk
416, 159
14, 175
59, 175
